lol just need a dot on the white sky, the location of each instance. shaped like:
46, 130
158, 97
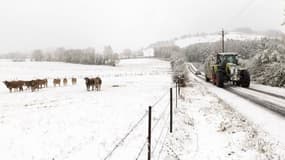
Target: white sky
32, 24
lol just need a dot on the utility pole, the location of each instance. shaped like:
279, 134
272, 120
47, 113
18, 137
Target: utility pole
223, 41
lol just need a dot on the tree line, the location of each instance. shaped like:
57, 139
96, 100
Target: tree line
79, 56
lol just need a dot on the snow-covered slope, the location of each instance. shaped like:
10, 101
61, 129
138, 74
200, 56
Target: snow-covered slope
184, 42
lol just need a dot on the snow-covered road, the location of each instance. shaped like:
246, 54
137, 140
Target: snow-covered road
212, 123
271, 122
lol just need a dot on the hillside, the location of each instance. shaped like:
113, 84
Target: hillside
260, 52
207, 38
241, 34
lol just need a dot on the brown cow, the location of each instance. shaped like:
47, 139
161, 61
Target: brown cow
46, 83
42, 82
35, 84
98, 83
28, 84
90, 82
21, 83
64, 81
56, 82
74, 81
18, 85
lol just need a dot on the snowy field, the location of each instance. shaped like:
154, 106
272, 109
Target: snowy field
57, 123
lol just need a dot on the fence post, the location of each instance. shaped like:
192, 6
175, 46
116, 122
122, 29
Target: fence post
149, 134
171, 110
176, 93
179, 90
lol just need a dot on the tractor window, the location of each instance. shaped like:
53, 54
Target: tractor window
231, 59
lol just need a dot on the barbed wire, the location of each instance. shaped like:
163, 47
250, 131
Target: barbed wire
136, 125
143, 146
160, 116
158, 100
125, 137
141, 150
163, 143
160, 134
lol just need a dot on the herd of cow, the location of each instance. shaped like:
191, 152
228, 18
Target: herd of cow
57, 81
33, 85
19, 85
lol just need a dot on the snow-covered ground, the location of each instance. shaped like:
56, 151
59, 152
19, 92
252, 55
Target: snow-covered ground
211, 123
57, 123
216, 37
69, 123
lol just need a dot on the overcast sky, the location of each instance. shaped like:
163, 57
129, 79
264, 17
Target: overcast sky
32, 24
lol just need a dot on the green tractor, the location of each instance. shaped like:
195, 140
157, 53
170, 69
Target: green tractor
225, 68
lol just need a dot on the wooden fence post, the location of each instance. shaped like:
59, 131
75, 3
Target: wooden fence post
171, 110
176, 93
149, 134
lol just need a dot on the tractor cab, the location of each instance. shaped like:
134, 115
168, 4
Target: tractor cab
229, 57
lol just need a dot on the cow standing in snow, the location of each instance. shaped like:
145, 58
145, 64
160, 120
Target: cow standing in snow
73, 81
56, 82
98, 83
64, 81
90, 82
17, 85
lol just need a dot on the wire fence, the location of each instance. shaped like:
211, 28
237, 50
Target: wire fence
160, 119
141, 150
159, 140
126, 136
164, 129
162, 145
160, 134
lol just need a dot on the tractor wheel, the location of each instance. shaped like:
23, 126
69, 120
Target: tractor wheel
244, 79
237, 83
207, 79
220, 79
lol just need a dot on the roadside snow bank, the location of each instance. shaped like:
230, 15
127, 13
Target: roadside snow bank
208, 128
